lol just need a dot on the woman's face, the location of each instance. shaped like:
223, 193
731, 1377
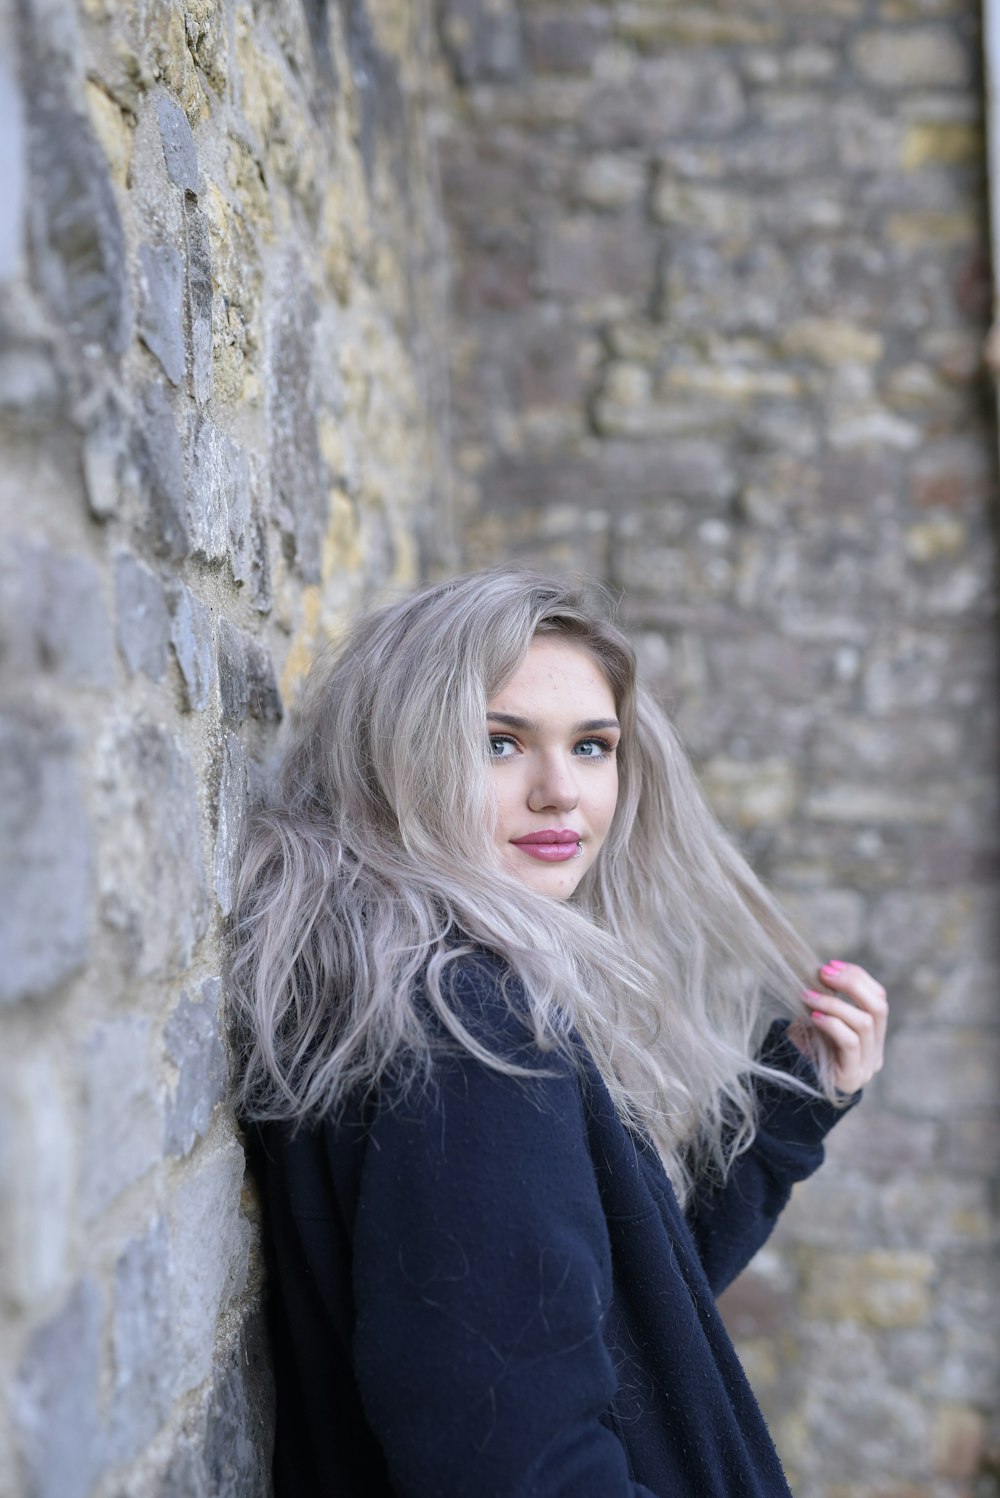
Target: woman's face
553, 731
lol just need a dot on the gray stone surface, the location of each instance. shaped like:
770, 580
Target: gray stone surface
246, 678
13, 178
161, 307
179, 152
210, 1268
299, 492
199, 299
141, 1342
54, 1401
158, 461
239, 1432
219, 499
191, 635
46, 868
76, 231
193, 1042
482, 39
141, 616
232, 814
152, 879
123, 1123
52, 616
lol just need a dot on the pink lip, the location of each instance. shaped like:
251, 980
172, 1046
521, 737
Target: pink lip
553, 845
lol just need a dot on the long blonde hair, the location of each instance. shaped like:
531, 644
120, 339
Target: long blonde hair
370, 868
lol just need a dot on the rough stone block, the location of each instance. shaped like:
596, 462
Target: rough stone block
918, 57
883, 1288
179, 152
564, 43
943, 1073
14, 175
191, 636
832, 919
35, 1203
232, 813
54, 1402
158, 461
752, 793
142, 617
46, 869
664, 97
52, 616
141, 1342
152, 880
208, 1269
246, 678
161, 316
583, 257
219, 500
199, 292
76, 231
482, 40
193, 1042
299, 491
123, 1123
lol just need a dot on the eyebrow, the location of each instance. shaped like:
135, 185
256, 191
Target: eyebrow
530, 726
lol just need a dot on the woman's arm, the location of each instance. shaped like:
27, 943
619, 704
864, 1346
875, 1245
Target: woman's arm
732, 1222
482, 1276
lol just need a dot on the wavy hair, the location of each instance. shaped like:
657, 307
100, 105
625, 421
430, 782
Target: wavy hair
369, 868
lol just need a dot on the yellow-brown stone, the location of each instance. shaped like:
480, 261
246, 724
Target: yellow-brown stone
883, 1288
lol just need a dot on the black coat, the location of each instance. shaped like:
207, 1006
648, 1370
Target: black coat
488, 1288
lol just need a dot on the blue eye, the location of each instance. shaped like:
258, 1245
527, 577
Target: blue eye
594, 749
499, 743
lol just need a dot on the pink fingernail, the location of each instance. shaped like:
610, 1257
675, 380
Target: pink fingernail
832, 967
811, 993
818, 1014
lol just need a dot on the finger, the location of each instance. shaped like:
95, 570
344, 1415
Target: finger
857, 983
852, 1015
850, 1070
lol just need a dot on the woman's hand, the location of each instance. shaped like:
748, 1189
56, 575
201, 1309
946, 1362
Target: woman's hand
852, 1020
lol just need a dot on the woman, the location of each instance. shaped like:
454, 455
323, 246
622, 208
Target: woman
531, 1063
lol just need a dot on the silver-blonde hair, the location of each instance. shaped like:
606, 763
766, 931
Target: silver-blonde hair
370, 868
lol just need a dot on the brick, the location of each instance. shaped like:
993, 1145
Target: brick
179, 152
664, 97
199, 302
52, 616
231, 818
943, 1073
54, 1402
482, 40
193, 1043
192, 639
123, 1125
299, 491
913, 58
208, 1270
141, 1342
158, 461
219, 499
36, 1225
153, 889
161, 307
46, 874
76, 229
141, 616
246, 678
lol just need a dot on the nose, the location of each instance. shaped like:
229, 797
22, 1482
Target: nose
554, 787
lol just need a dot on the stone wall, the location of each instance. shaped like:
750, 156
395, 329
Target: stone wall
220, 407
721, 286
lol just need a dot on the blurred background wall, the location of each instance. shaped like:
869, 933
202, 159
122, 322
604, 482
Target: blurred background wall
301, 302
721, 289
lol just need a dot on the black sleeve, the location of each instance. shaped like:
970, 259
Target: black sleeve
730, 1223
482, 1277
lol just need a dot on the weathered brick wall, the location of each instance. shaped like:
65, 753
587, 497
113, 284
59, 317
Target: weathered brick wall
219, 406
721, 287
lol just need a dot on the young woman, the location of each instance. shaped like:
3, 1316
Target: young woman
531, 1062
